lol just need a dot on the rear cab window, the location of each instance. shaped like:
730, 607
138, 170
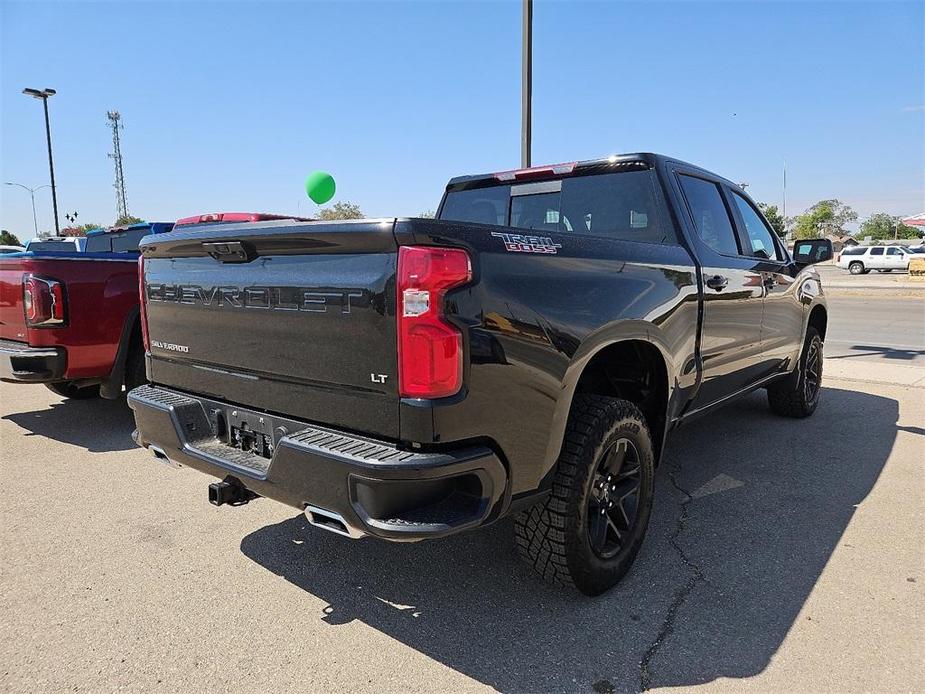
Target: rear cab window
39, 246
626, 206
854, 250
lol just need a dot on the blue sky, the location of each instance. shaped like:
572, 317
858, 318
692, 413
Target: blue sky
227, 106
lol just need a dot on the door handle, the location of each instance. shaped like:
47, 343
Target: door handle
717, 282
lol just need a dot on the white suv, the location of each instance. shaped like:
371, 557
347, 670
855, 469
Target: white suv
859, 260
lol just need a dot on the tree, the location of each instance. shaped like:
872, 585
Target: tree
825, 217
80, 230
126, 220
882, 226
8, 238
341, 210
774, 217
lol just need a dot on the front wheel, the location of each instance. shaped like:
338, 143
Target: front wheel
69, 390
798, 395
587, 533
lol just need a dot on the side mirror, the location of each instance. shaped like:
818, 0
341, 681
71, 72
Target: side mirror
812, 251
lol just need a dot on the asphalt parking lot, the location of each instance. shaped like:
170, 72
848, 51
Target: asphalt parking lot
782, 556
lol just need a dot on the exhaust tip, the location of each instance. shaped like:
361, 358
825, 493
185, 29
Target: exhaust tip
330, 521
162, 457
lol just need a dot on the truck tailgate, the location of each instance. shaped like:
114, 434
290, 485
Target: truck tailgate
292, 317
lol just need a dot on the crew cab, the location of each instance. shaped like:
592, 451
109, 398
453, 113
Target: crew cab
525, 353
69, 318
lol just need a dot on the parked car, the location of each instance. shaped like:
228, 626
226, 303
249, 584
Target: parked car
916, 250
69, 318
64, 244
4, 250
526, 353
860, 260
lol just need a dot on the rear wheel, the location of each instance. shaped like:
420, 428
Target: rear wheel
135, 368
68, 389
798, 395
588, 531
856, 268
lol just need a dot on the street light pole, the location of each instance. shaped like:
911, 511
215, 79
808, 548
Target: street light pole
35, 224
526, 90
43, 94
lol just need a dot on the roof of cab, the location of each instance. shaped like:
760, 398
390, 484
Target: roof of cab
156, 227
213, 217
601, 165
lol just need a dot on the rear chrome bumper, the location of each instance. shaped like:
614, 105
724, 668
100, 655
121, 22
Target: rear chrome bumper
348, 484
20, 363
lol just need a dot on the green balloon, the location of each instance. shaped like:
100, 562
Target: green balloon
320, 186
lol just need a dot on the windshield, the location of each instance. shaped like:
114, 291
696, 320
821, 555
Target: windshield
622, 206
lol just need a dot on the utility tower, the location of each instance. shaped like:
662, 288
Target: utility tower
115, 122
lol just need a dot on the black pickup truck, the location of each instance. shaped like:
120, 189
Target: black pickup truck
527, 352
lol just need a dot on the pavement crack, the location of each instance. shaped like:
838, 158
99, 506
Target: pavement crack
695, 576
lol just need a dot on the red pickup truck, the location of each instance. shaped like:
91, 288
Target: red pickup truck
69, 319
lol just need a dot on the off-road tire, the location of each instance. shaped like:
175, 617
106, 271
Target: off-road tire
794, 397
856, 268
553, 536
67, 389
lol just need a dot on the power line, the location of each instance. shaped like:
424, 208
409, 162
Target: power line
115, 122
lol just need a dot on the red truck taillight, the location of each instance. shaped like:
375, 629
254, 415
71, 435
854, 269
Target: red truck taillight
430, 351
142, 309
43, 301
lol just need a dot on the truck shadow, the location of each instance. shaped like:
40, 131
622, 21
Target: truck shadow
97, 425
767, 501
880, 351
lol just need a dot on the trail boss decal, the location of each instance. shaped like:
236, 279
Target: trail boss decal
518, 243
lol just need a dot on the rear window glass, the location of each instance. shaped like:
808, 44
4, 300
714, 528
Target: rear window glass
854, 250
478, 206
625, 206
98, 244
127, 241
52, 246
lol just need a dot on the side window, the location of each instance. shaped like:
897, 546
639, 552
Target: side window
877, 251
710, 216
760, 237
894, 251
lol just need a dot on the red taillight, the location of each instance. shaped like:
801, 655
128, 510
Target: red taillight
536, 172
43, 301
430, 354
142, 309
